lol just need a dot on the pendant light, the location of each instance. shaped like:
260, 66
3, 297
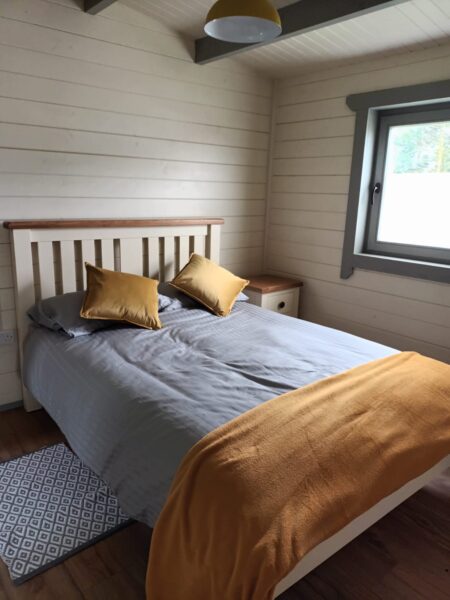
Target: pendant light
243, 21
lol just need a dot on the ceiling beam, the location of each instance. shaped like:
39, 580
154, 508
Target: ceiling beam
95, 6
300, 17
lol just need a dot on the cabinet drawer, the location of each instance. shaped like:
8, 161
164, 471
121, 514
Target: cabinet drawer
285, 303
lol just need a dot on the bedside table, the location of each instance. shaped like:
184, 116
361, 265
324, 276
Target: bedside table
279, 294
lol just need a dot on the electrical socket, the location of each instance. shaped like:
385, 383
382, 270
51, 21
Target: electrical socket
7, 338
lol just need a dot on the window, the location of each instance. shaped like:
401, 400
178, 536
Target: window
409, 208
398, 217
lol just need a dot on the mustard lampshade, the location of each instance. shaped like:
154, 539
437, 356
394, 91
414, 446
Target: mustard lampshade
243, 21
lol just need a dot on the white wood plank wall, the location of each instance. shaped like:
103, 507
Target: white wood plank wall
108, 116
308, 200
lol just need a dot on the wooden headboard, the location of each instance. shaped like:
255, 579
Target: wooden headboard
49, 256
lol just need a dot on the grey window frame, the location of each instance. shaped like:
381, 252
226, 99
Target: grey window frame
375, 112
386, 120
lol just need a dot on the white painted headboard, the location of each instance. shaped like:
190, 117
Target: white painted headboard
49, 256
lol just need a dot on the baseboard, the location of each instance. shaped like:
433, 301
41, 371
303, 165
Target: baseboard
11, 406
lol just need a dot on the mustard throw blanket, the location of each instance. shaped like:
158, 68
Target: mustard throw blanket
255, 495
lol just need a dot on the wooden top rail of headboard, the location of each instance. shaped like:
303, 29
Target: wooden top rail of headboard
104, 223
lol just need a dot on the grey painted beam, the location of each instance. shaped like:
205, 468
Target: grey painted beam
95, 6
296, 18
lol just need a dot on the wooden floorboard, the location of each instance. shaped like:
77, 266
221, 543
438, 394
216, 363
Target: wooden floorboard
405, 556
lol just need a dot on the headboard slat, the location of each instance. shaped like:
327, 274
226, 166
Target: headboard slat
87, 255
107, 247
46, 269
183, 252
213, 243
69, 278
199, 245
153, 257
169, 258
131, 260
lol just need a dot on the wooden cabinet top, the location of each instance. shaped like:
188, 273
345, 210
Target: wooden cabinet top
266, 284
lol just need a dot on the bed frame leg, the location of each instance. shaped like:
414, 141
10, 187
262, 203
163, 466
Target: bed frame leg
29, 402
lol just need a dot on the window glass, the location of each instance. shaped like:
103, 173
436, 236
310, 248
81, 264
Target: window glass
415, 207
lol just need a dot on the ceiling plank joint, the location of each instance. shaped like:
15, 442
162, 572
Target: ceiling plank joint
300, 17
93, 7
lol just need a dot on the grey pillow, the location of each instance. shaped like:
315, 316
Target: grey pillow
180, 300
62, 313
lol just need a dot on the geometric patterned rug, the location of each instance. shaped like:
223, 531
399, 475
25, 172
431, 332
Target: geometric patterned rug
51, 506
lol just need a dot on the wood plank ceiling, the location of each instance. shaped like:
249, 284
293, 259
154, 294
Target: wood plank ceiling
405, 27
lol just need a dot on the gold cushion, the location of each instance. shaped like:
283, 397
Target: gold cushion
121, 297
211, 285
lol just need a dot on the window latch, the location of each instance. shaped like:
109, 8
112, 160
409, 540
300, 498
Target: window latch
375, 190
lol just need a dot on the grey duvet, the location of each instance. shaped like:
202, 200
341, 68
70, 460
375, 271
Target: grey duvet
132, 402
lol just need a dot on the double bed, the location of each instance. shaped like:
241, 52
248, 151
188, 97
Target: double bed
133, 402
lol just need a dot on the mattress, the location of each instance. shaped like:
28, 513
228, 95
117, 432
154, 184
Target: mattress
132, 402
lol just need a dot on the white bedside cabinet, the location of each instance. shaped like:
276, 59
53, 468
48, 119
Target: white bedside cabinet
279, 294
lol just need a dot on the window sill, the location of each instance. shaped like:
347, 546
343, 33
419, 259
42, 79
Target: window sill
397, 266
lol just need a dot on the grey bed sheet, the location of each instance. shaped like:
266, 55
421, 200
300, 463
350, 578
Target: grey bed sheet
132, 402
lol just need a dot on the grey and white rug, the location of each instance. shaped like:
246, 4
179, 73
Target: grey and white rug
51, 506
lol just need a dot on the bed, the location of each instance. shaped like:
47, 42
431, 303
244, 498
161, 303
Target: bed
146, 397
